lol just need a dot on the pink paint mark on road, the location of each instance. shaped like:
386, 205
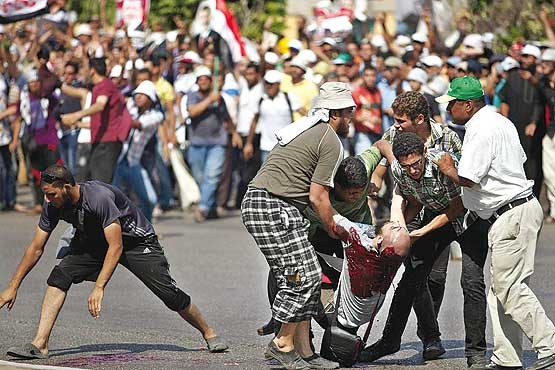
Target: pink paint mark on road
107, 359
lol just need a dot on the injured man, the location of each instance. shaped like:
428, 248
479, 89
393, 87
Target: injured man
373, 254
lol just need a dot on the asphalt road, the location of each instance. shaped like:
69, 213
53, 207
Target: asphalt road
218, 264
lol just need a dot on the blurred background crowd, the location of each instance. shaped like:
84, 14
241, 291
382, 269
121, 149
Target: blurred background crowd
177, 102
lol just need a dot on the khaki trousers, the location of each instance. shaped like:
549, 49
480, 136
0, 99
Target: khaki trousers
548, 165
513, 307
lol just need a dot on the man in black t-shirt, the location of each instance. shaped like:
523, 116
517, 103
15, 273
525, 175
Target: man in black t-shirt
109, 229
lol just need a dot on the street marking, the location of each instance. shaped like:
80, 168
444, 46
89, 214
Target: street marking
18, 365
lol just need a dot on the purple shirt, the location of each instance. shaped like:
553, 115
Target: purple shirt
44, 131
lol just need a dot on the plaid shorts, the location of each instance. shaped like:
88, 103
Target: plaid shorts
281, 233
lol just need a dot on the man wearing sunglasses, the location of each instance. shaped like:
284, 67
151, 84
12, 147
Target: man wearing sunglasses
433, 209
110, 229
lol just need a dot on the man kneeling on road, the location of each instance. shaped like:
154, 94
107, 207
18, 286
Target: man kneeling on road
109, 230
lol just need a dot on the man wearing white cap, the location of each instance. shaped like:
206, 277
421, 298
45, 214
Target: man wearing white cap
208, 135
547, 89
298, 173
296, 83
146, 119
521, 103
274, 111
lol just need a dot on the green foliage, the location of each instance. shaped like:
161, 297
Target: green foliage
250, 14
509, 20
162, 12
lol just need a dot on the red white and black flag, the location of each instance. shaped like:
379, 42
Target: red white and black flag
17, 10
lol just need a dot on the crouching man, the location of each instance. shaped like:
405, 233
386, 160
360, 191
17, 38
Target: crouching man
109, 230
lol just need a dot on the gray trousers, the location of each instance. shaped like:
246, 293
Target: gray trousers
513, 306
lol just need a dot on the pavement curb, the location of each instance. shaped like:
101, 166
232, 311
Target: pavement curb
17, 365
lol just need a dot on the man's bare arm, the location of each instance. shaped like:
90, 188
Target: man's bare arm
115, 248
320, 201
454, 209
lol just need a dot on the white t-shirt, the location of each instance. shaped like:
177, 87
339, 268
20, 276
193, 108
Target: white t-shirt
274, 114
493, 158
248, 105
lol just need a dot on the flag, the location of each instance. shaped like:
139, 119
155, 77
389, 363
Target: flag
223, 21
17, 10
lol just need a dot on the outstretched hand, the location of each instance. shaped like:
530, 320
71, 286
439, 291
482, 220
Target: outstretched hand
8, 297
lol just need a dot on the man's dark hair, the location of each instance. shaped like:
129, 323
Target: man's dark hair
407, 143
145, 70
411, 103
369, 67
57, 175
74, 65
255, 66
99, 65
43, 53
351, 173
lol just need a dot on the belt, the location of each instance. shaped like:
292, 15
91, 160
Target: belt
508, 206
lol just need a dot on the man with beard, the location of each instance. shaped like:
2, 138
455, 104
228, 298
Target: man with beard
298, 173
110, 230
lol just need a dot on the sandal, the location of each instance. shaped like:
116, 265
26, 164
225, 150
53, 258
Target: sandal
27, 351
216, 344
267, 329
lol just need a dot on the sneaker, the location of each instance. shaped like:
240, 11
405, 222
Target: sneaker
289, 360
317, 362
433, 349
377, 350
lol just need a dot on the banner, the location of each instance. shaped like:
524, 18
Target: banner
17, 10
222, 21
132, 13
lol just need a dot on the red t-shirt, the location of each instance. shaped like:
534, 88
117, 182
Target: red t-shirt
369, 102
114, 122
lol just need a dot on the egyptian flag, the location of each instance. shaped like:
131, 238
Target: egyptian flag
223, 22
17, 10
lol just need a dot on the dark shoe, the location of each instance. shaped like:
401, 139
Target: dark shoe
289, 360
267, 329
377, 350
27, 352
317, 362
543, 363
216, 344
477, 362
432, 349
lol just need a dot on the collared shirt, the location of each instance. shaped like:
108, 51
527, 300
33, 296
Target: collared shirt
442, 138
433, 190
493, 159
111, 124
135, 145
389, 93
306, 91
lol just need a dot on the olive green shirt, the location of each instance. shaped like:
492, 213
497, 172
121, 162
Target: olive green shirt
358, 211
313, 156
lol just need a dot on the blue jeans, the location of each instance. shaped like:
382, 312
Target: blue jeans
207, 162
166, 191
139, 181
68, 150
364, 140
264, 155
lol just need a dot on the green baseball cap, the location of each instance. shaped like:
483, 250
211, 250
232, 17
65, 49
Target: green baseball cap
462, 88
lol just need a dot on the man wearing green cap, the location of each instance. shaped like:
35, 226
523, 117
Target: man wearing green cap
495, 187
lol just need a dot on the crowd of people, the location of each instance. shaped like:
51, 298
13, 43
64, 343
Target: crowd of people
305, 135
